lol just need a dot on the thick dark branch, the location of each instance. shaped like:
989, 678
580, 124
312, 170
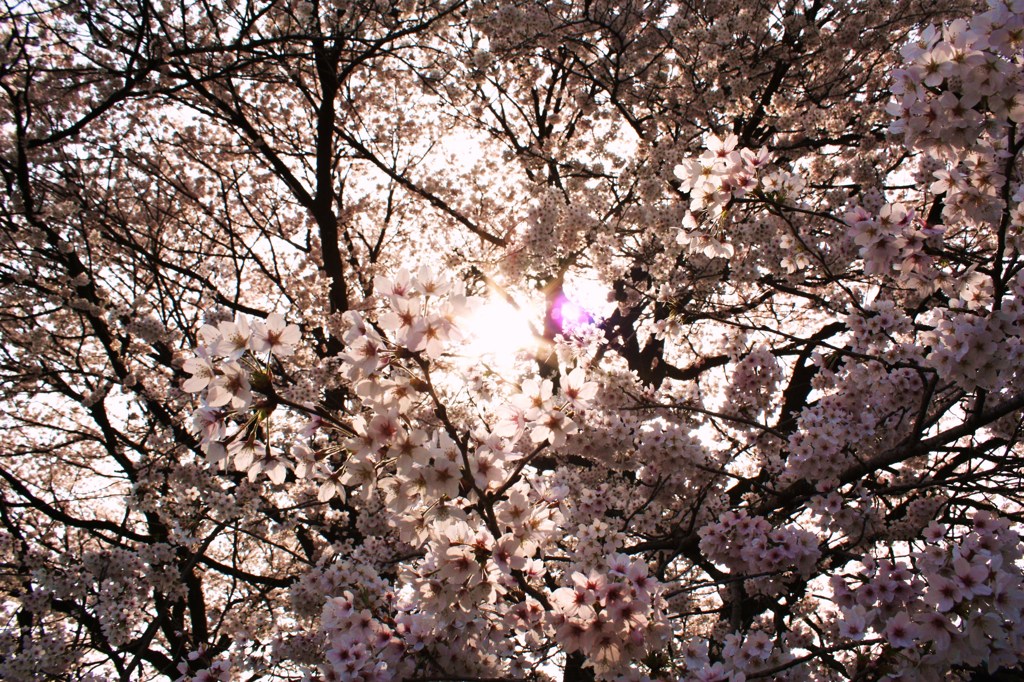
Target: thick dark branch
323, 202
798, 493
93, 525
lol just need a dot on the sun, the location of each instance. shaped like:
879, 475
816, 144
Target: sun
499, 331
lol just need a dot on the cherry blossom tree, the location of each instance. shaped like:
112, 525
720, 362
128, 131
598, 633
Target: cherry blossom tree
477, 340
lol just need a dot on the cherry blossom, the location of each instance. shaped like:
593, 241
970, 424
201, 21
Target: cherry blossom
767, 426
273, 336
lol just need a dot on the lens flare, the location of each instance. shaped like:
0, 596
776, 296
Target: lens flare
498, 330
569, 316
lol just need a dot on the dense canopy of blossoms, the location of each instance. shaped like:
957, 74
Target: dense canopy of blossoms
750, 408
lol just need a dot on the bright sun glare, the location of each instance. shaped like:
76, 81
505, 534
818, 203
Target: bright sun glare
498, 331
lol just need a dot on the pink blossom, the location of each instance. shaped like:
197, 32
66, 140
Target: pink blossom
274, 336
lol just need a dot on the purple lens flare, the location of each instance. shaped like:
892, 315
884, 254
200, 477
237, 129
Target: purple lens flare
569, 316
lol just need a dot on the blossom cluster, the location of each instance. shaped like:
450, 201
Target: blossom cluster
750, 545
422, 479
742, 654
754, 381
422, 316
360, 647
612, 616
956, 602
879, 327
892, 240
977, 347
722, 174
847, 425
960, 80
234, 358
